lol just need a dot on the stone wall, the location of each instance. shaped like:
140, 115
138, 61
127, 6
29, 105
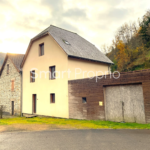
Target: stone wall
6, 95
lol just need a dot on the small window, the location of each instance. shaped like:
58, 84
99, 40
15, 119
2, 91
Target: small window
84, 100
41, 50
32, 76
66, 42
52, 72
52, 98
12, 85
7, 68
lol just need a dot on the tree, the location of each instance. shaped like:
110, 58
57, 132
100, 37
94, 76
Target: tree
145, 29
121, 57
131, 45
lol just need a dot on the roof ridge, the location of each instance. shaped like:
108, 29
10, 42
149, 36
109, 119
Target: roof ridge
63, 29
41, 32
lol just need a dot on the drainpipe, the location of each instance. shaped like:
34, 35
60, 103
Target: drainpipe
21, 91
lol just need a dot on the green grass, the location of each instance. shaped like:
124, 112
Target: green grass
79, 124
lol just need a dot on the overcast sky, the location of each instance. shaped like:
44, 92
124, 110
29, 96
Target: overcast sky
95, 20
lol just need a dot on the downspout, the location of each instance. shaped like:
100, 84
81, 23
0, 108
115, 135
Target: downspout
21, 92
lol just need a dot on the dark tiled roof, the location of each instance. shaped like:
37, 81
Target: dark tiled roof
78, 46
16, 59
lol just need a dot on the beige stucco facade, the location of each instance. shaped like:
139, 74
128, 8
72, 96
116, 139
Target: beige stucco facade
81, 68
54, 55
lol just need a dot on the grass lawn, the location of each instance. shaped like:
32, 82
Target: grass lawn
37, 123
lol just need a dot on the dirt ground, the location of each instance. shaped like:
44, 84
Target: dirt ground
32, 127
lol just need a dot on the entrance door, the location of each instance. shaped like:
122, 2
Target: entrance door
34, 103
124, 103
12, 107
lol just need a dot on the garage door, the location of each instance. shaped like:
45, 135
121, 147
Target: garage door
124, 103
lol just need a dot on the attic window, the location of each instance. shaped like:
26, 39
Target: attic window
66, 42
41, 50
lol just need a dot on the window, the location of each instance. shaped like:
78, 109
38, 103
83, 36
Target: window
32, 76
52, 72
12, 85
52, 98
7, 68
84, 100
66, 42
41, 49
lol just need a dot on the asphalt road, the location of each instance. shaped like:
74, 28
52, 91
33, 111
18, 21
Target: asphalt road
76, 140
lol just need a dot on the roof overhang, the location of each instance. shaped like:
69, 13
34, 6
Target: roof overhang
90, 59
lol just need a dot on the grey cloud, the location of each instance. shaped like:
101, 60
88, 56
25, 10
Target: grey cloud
115, 14
59, 15
108, 2
3, 2
56, 6
67, 26
118, 13
113, 2
75, 13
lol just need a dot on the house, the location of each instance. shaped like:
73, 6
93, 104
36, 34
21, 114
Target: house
10, 84
53, 57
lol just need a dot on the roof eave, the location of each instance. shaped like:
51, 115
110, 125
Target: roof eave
90, 59
37, 37
3, 64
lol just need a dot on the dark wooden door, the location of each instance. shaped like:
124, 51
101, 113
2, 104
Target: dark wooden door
12, 105
34, 103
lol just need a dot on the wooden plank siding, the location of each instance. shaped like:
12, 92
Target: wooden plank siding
94, 93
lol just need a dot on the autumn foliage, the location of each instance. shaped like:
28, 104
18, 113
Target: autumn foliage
130, 49
121, 57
